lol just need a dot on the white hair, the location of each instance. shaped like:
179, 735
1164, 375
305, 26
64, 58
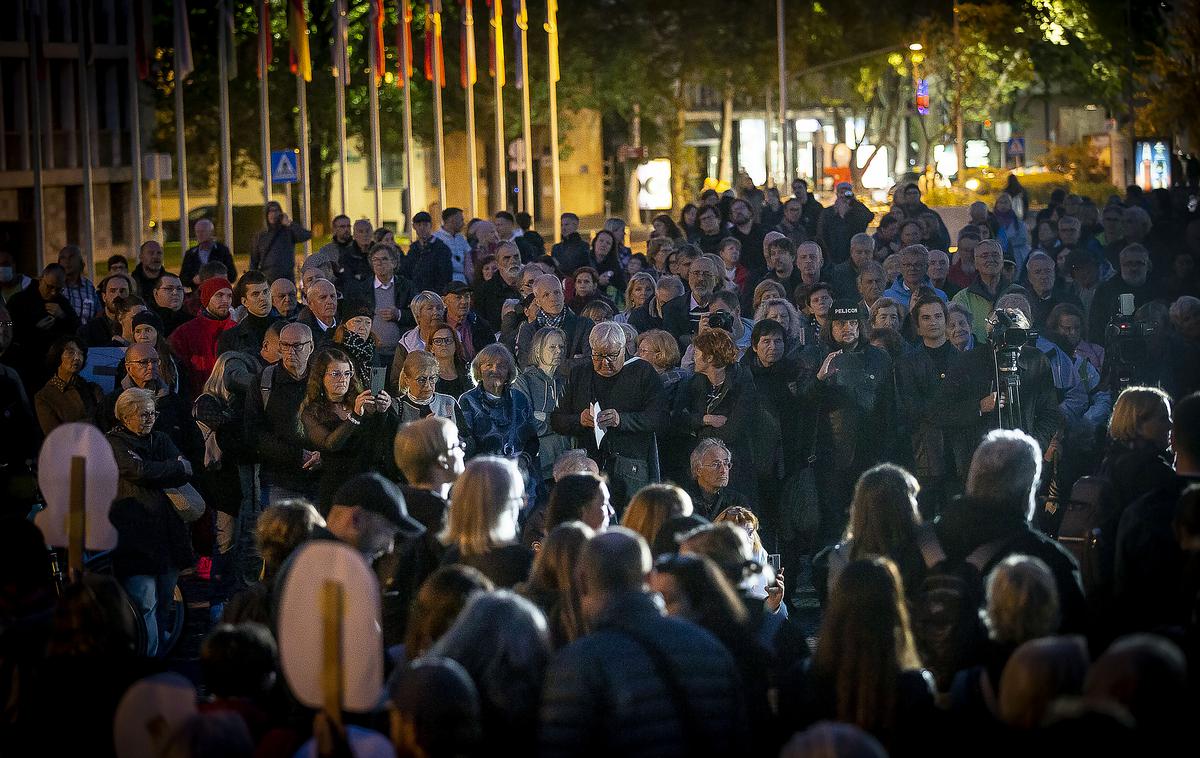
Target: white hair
1005, 470
1182, 307
607, 334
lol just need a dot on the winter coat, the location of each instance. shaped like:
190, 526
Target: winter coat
220, 478
604, 694
191, 263
346, 445
577, 328
921, 390
151, 538
195, 347
427, 265
274, 251
275, 430
739, 402
853, 404
544, 392
59, 403
502, 426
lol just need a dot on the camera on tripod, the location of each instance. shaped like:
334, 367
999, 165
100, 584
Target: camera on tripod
1126, 339
1009, 331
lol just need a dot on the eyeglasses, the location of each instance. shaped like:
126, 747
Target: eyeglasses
293, 346
147, 415
339, 374
6, 324
143, 362
442, 341
425, 380
718, 465
460, 445
606, 357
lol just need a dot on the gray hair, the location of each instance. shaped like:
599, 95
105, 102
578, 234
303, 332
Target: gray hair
863, 239
630, 337
1018, 301
1182, 307
424, 297
670, 283
607, 334
540, 338
1039, 256
1005, 470
132, 400
1138, 216
494, 351
793, 328
706, 444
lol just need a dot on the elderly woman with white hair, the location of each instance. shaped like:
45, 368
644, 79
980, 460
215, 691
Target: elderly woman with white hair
781, 311
543, 385
500, 420
625, 402
429, 310
153, 544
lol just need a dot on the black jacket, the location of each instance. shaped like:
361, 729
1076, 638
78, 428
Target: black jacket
144, 282
275, 429
1106, 301
853, 405
604, 695
427, 265
643, 320
33, 335
490, 296
834, 232
191, 263
247, 336
921, 402
571, 253
99, 331
151, 538
752, 247
739, 403
577, 328
356, 278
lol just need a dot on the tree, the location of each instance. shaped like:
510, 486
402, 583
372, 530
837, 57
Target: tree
1169, 83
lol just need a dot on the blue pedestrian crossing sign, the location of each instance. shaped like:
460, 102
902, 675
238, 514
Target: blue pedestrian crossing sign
283, 167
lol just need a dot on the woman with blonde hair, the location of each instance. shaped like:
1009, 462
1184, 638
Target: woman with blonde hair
552, 586
653, 506
481, 528
637, 292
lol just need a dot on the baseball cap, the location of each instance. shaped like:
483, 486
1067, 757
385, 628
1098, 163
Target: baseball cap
845, 310
458, 288
373, 493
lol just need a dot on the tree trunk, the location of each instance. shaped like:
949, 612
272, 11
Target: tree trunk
725, 158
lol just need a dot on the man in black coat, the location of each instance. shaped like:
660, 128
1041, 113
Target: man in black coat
148, 270
681, 316
254, 293
840, 222
994, 518
207, 248
101, 328
749, 234
573, 251
1134, 279
552, 311
632, 410
650, 314
474, 332
639, 683
427, 263
505, 285
40, 315
354, 274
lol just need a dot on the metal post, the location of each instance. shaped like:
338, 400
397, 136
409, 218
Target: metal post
135, 131
223, 43
527, 190
783, 117
501, 199
373, 105
439, 75
35, 93
552, 31
264, 104
181, 153
405, 54
303, 171
468, 29
341, 71
85, 119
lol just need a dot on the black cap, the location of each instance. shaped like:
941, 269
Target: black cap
458, 288
355, 308
422, 216
149, 318
845, 310
373, 493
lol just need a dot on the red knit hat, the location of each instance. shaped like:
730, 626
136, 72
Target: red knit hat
211, 287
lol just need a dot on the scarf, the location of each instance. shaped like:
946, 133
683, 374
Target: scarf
361, 351
544, 319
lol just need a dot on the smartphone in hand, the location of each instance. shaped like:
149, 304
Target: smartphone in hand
378, 379
773, 560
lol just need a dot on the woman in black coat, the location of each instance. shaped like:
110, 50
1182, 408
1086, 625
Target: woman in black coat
153, 544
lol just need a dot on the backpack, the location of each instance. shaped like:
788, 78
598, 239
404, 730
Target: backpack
945, 610
266, 381
1088, 530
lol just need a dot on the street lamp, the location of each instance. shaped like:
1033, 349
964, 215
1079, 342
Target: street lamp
916, 47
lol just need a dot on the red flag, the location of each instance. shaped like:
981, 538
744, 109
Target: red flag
377, 16
142, 40
404, 44
264, 38
433, 40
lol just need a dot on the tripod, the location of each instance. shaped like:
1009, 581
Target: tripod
1008, 387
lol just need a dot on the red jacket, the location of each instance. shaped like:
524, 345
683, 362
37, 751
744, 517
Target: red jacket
195, 346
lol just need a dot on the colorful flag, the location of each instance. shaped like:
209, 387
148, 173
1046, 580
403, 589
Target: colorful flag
226, 19
183, 43
404, 43
433, 41
299, 60
266, 47
341, 42
378, 65
552, 31
496, 49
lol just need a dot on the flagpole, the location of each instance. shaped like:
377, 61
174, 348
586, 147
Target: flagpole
223, 44
135, 129
501, 201
552, 31
341, 71
439, 76
264, 105
472, 159
523, 26
180, 141
302, 68
373, 104
305, 196
85, 116
405, 72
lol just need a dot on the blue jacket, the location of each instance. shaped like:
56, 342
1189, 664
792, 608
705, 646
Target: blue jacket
902, 294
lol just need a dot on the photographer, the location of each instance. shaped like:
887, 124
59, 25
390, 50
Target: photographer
974, 407
1134, 280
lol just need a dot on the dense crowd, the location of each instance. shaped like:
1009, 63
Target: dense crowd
974, 458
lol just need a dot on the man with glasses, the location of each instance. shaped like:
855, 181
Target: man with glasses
681, 316
626, 402
174, 414
711, 463
1134, 279
168, 302
392, 294
272, 411
914, 272
552, 311
988, 286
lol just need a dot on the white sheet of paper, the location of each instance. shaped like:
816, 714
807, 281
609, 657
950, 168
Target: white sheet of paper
599, 432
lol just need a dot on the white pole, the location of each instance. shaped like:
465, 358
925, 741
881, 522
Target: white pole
405, 53
85, 117
305, 196
783, 117
341, 71
527, 190
223, 43
439, 73
500, 202
373, 104
264, 105
552, 30
181, 159
135, 130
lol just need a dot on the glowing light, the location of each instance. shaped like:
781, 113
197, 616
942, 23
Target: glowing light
972, 184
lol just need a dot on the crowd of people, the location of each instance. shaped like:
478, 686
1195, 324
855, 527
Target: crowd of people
582, 474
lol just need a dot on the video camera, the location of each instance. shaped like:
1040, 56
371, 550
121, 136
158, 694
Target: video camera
1126, 341
721, 320
1007, 332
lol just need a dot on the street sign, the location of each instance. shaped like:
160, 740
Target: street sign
156, 167
1016, 146
632, 153
283, 167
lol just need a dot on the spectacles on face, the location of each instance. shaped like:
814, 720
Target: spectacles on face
459, 445
293, 347
378, 261
171, 288
717, 465
425, 381
143, 363
339, 374
606, 357
442, 341
147, 415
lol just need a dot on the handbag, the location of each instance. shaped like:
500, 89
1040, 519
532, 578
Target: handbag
188, 503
